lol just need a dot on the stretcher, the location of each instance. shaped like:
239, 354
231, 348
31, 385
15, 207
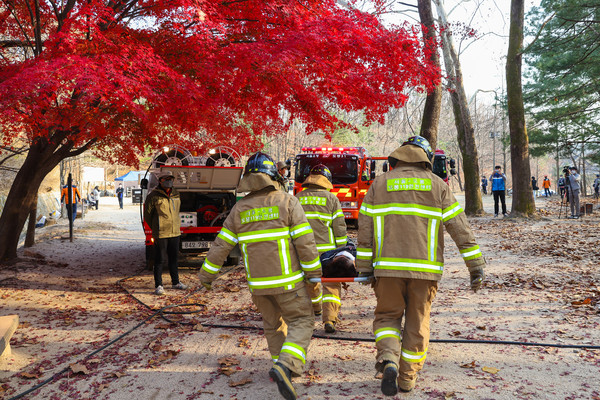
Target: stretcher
351, 279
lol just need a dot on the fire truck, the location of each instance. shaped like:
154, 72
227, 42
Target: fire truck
443, 166
207, 187
353, 172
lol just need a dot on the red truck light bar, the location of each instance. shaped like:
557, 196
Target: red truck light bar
352, 150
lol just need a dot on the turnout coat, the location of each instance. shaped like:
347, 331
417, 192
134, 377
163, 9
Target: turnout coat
402, 219
274, 236
324, 213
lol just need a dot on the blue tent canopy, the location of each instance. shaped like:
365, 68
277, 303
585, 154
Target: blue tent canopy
131, 176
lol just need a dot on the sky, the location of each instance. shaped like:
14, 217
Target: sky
482, 59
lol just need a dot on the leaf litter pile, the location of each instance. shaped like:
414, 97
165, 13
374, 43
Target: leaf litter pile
542, 286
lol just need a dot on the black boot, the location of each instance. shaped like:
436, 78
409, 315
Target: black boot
283, 377
389, 384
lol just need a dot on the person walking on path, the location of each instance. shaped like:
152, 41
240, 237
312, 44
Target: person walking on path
75, 198
326, 218
484, 183
161, 213
96, 197
597, 186
409, 198
498, 179
546, 185
534, 186
574, 189
119, 193
279, 251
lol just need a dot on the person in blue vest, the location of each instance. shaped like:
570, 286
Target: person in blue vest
498, 179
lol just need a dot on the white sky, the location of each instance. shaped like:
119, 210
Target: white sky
483, 59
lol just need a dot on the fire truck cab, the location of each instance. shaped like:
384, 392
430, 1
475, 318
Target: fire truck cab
352, 170
207, 188
443, 166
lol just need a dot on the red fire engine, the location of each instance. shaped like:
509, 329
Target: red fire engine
353, 171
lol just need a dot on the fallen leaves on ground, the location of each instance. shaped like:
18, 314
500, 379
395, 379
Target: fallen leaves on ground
241, 382
490, 370
79, 369
472, 364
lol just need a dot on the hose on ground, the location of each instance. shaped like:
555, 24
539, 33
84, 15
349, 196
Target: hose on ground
162, 312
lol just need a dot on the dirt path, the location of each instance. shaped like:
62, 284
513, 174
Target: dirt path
542, 286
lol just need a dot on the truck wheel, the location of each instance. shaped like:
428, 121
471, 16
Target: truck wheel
233, 261
150, 258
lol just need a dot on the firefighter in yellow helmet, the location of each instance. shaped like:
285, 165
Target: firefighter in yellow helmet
401, 243
279, 253
324, 213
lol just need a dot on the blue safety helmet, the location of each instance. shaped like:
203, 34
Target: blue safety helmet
321, 169
421, 142
261, 162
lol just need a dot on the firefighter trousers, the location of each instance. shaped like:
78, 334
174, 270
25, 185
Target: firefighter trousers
411, 298
332, 293
288, 321
314, 292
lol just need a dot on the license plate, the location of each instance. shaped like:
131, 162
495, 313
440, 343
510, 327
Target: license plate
196, 245
348, 214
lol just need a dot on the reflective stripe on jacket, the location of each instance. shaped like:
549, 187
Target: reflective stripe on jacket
275, 239
161, 213
401, 221
324, 213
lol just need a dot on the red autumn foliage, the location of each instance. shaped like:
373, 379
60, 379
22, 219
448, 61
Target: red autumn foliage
144, 72
122, 76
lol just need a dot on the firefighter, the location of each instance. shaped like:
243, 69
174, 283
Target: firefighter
279, 252
401, 243
324, 213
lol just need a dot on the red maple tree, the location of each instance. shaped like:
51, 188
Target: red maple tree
122, 76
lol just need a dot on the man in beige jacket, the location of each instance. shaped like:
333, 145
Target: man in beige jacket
279, 252
401, 243
161, 213
326, 218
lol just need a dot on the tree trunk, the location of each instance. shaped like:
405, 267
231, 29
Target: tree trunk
523, 203
460, 185
43, 156
433, 103
30, 236
18, 204
462, 119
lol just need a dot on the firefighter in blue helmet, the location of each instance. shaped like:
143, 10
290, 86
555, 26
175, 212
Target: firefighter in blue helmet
279, 252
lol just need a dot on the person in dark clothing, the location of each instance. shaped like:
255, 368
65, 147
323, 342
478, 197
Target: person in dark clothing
484, 183
96, 197
498, 179
339, 262
534, 186
119, 192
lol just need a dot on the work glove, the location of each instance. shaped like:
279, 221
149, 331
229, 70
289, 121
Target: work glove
477, 276
207, 285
